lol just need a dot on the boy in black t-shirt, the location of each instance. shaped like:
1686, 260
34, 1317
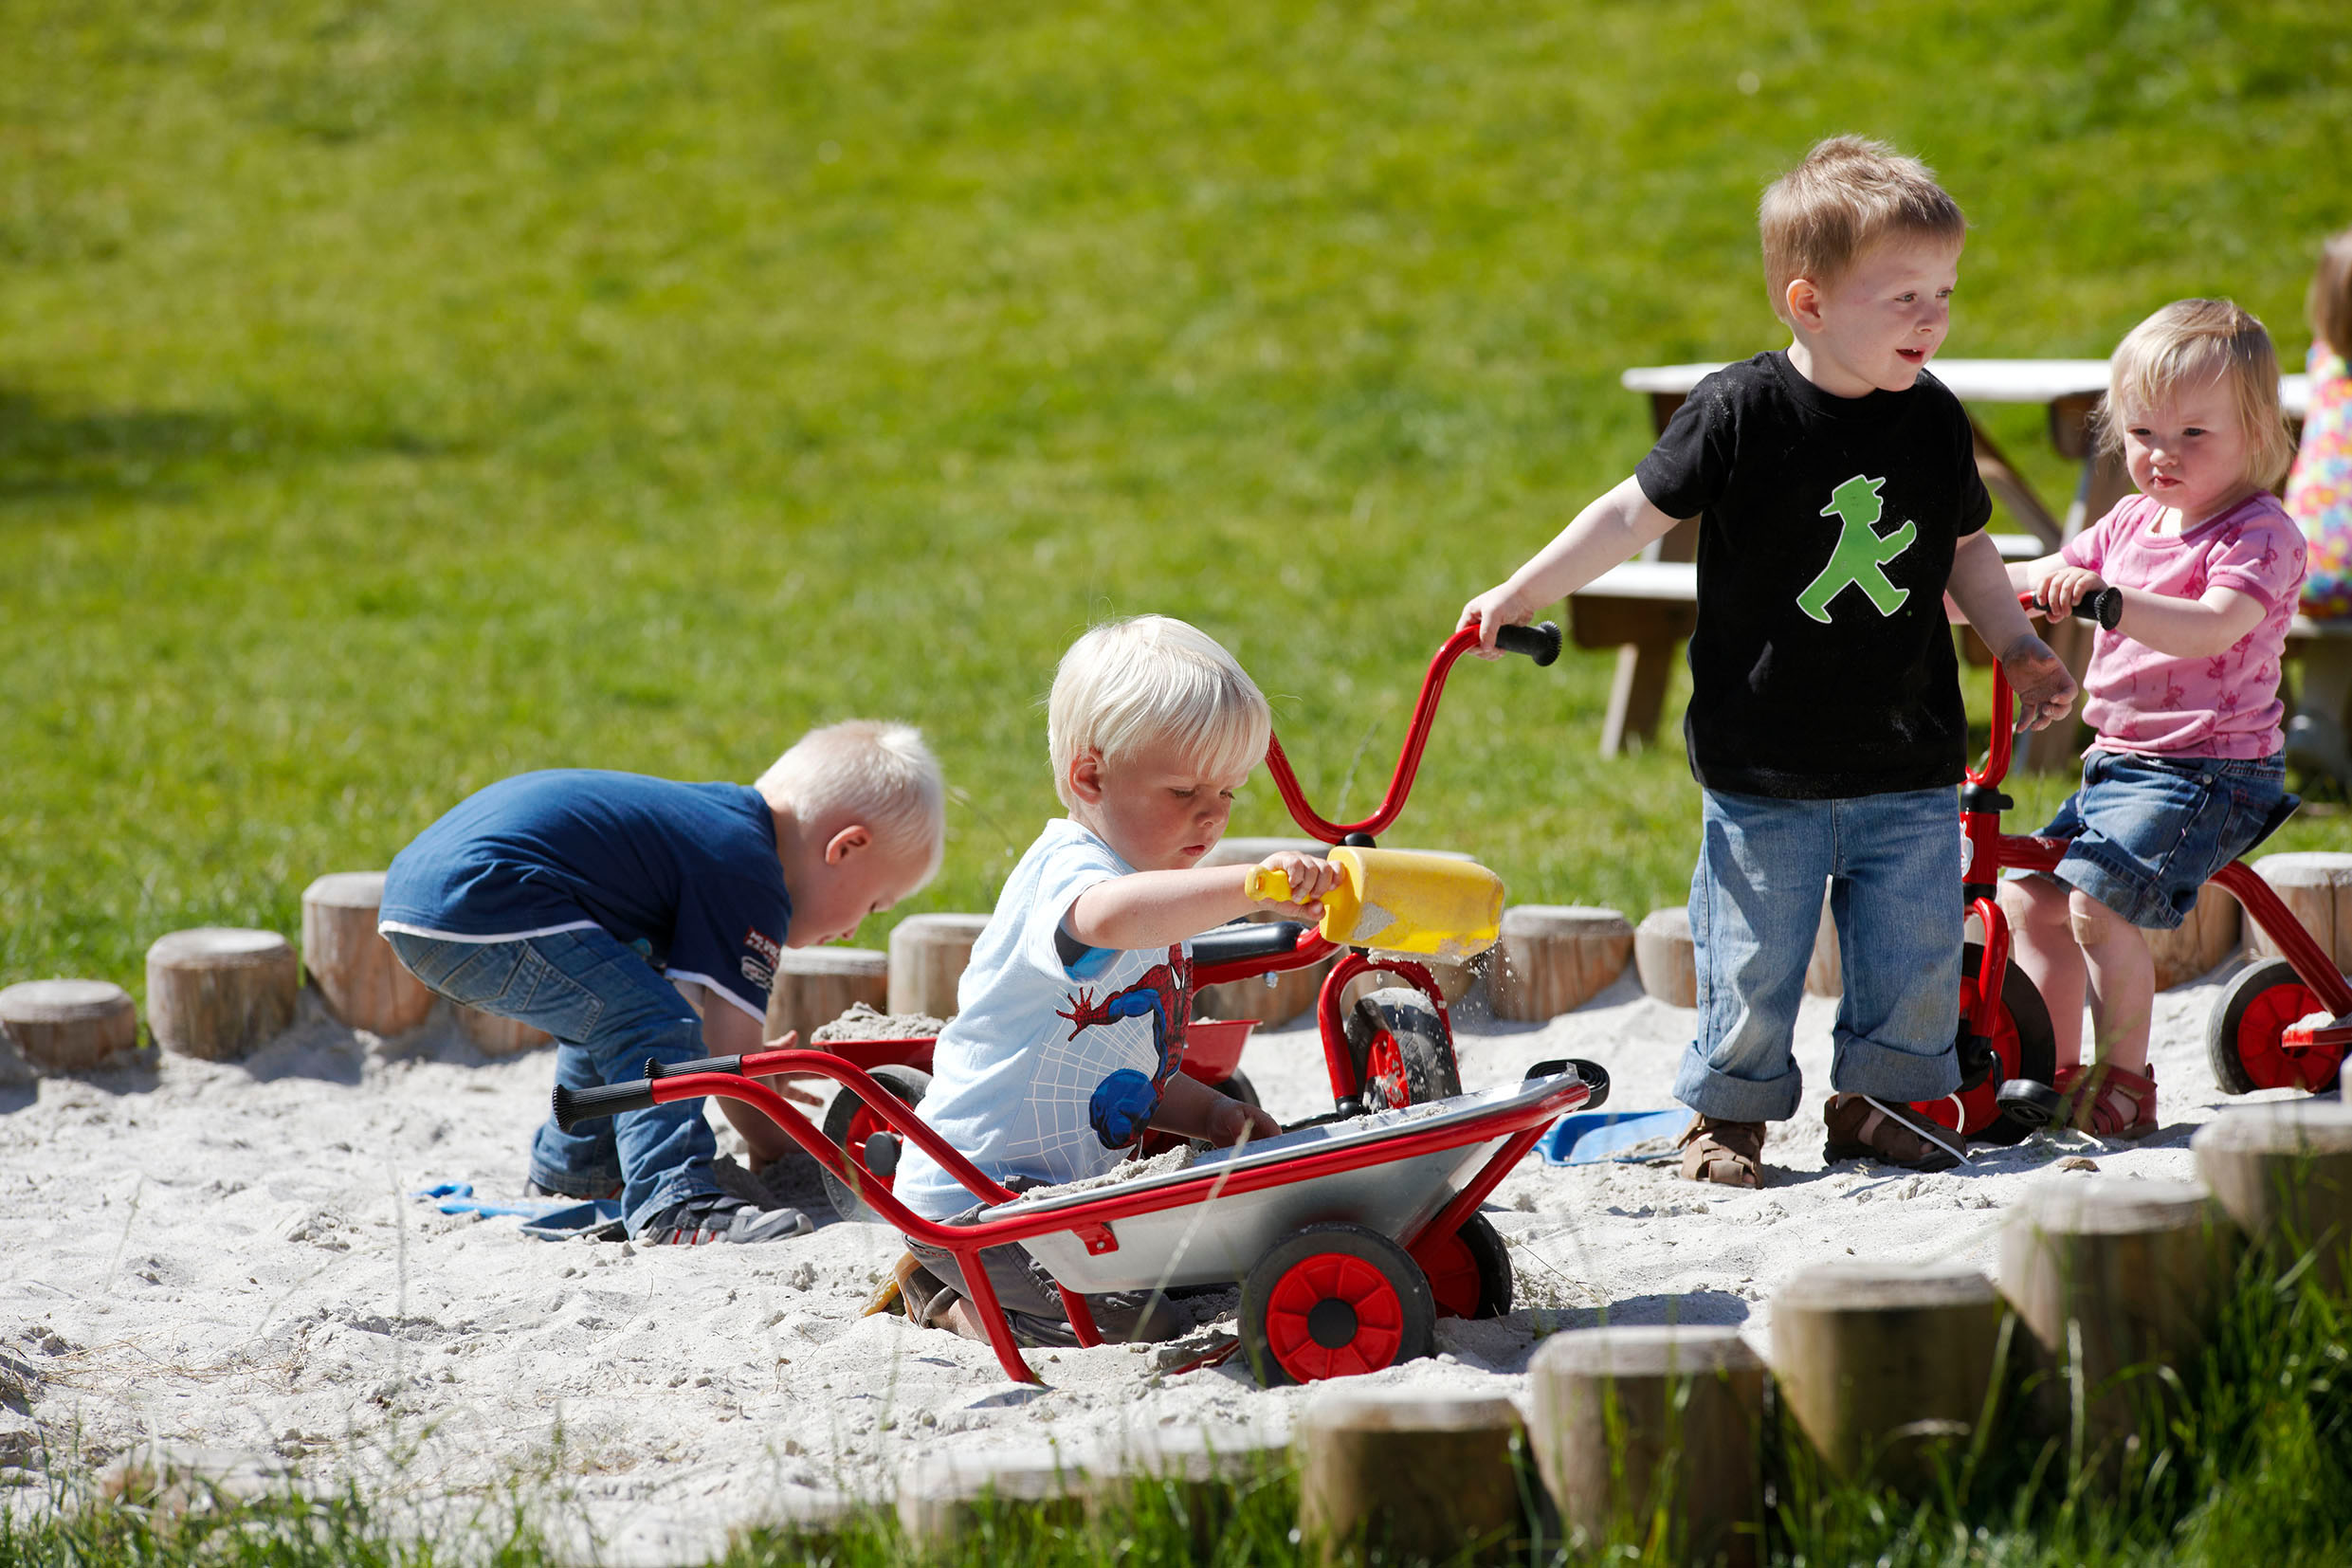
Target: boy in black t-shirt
1838, 501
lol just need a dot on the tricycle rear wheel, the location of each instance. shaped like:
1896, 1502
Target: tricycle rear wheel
1402, 1053
1333, 1300
2242, 1036
849, 1124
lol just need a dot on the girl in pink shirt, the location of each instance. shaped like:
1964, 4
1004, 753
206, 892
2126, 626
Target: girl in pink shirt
2185, 774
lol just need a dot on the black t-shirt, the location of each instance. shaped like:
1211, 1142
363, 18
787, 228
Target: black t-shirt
1822, 663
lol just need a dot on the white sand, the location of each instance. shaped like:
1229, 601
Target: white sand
227, 1257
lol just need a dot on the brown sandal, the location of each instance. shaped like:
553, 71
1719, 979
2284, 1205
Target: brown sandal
1730, 1154
2109, 1102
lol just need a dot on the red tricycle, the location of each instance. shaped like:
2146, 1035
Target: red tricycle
2282, 1023
1393, 1047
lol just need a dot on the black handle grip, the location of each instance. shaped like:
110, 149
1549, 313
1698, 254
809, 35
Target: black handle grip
706, 1064
2106, 606
572, 1106
1539, 642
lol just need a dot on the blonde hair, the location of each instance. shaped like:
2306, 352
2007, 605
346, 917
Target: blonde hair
2186, 344
1848, 195
1128, 683
868, 770
2328, 306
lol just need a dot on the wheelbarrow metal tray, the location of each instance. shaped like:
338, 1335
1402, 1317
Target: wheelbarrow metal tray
1391, 1172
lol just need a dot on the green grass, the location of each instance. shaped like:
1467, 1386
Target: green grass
395, 396
2247, 1459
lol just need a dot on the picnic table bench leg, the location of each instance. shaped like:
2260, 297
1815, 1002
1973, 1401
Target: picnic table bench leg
1637, 694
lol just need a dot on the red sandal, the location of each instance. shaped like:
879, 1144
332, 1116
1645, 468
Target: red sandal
2108, 1101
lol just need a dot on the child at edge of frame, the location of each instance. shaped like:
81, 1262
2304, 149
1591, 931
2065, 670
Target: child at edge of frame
587, 902
1070, 1018
2186, 771
1838, 501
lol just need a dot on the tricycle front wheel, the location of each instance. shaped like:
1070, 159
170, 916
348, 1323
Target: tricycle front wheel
1333, 1300
1403, 1054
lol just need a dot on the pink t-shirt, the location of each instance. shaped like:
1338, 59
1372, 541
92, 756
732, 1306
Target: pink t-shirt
2226, 706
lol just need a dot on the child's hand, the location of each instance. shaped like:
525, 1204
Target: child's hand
1310, 878
1231, 1123
1490, 613
2062, 588
2045, 690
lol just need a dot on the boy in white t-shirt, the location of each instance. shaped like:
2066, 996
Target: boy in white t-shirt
1069, 1027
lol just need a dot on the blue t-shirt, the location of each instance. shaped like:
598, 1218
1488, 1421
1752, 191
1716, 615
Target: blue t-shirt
1050, 1069
687, 871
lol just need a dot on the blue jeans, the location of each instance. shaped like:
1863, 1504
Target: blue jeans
1891, 863
609, 1010
2148, 832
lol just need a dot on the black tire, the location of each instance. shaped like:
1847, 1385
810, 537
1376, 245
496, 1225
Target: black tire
2247, 1006
1471, 1278
1239, 1088
842, 1120
1402, 1053
1333, 1300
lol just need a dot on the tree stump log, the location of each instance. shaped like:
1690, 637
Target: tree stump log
927, 957
493, 1035
2317, 889
1553, 958
1614, 1409
1826, 975
358, 976
2204, 940
1395, 1475
218, 991
816, 985
1887, 1367
1665, 957
1195, 1472
2131, 1273
943, 1496
2283, 1172
69, 1026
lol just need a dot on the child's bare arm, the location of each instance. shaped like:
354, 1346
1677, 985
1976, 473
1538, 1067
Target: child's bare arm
1192, 1109
1609, 531
1981, 584
1155, 909
728, 1030
2190, 629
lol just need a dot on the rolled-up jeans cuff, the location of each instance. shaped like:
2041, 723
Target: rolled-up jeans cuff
1865, 1067
1730, 1099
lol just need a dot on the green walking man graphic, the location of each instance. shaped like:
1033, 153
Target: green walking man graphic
1861, 556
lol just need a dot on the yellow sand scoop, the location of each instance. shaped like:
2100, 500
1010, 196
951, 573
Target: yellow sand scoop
1403, 901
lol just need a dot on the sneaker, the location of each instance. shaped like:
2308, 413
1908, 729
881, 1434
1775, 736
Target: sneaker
1861, 1127
718, 1217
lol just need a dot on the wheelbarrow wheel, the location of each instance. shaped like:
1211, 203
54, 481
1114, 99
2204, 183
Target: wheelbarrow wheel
852, 1126
1402, 1053
1333, 1300
2242, 1035
1469, 1271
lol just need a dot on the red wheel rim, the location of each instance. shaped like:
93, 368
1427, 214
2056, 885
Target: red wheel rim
1316, 1282
1384, 1070
1979, 1107
2271, 1065
1452, 1268
863, 1126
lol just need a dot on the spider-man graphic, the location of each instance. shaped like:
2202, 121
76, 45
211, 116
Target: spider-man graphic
1122, 1103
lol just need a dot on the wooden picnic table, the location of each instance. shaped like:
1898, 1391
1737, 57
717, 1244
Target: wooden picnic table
1644, 613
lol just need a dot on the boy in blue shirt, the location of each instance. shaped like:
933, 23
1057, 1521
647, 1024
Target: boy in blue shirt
1071, 1016
587, 903
1836, 488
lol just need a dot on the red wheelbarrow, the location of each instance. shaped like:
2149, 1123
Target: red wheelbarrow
1349, 1238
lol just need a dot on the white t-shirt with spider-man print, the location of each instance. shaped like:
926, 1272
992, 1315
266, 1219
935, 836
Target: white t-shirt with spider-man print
2226, 704
1057, 1054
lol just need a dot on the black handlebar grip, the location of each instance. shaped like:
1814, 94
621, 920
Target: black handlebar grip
1539, 642
572, 1106
2106, 606
708, 1063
